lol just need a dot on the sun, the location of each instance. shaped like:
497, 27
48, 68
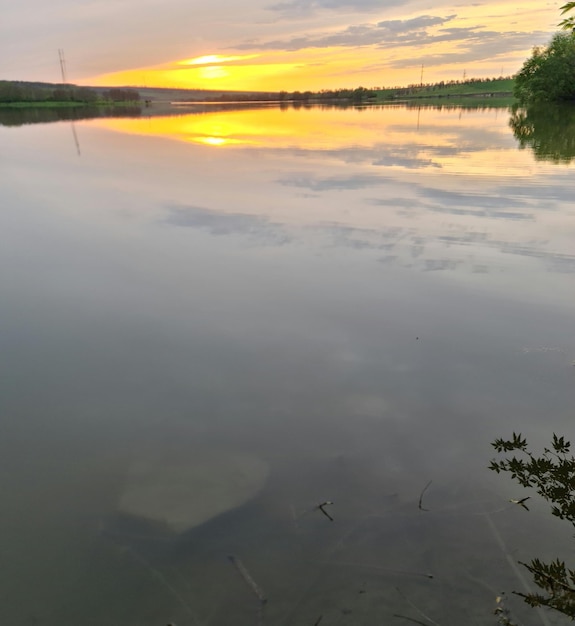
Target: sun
211, 59
213, 72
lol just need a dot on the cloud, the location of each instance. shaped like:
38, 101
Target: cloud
545, 196
385, 33
403, 246
307, 7
385, 238
406, 162
493, 206
504, 215
407, 156
482, 199
395, 202
475, 45
435, 265
225, 224
415, 23
468, 44
335, 183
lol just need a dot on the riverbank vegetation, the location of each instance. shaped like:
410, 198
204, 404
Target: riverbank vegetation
472, 87
548, 130
548, 75
552, 476
17, 93
569, 22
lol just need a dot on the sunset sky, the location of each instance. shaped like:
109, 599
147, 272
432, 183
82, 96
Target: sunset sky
269, 44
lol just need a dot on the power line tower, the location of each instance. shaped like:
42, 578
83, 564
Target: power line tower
63, 65
64, 73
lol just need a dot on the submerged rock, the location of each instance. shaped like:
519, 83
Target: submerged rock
186, 492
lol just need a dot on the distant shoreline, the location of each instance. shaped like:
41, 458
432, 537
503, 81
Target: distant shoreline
49, 104
147, 96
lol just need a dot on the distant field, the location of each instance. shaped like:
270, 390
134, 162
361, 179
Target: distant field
179, 95
498, 87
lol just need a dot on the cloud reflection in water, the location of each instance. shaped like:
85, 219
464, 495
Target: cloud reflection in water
443, 189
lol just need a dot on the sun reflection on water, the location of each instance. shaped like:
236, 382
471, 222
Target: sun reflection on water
432, 140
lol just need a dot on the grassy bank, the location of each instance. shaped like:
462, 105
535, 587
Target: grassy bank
475, 101
496, 88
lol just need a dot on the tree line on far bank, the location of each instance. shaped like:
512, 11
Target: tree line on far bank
16, 91
364, 95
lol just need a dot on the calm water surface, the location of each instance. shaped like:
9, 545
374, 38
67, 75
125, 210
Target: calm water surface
357, 300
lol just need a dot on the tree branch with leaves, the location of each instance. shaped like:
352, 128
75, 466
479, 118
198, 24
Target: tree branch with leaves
552, 475
568, 22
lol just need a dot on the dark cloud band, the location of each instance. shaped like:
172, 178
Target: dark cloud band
403, 32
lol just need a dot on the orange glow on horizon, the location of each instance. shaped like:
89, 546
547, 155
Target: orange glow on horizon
316, 68
212, 59
343, 70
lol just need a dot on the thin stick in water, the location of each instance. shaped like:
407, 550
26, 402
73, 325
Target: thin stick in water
420, 506
248, 579
513, 565
411, 619
321, 508
416, 607
162, 580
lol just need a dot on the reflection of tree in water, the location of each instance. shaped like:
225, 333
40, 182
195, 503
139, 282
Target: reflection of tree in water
549, 130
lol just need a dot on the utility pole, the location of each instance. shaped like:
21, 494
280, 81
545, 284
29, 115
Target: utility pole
421, 77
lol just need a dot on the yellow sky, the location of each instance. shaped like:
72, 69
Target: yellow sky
447, 43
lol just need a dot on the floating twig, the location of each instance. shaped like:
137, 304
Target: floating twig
521, 502
318, 620
248, 579
321, 508
420, 506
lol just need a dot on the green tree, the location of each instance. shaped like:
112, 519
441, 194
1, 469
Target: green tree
569, 22
552, 475
549, 74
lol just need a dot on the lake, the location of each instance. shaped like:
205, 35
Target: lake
213, 322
